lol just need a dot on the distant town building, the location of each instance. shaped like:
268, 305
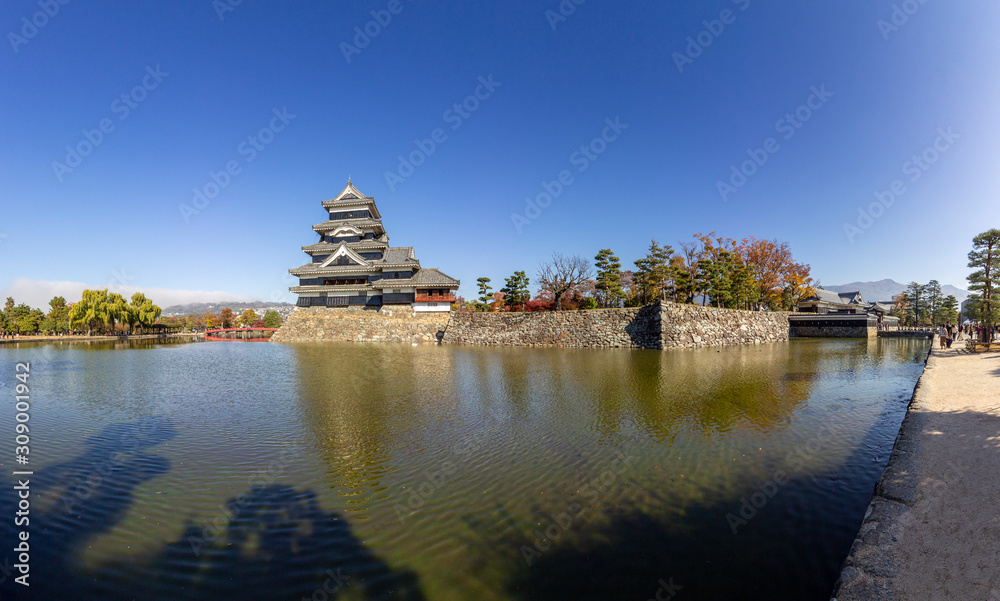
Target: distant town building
353, 265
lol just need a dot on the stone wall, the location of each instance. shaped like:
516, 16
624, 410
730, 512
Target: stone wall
358, 324
632, 328
833, 332
656, 326
685, 326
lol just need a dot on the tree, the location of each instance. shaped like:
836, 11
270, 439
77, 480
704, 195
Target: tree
948, 310
779, 278
226, 318
515, 291
92, 310
484, 293
58, 314
985, 260
247, 318
654, 273
561, 274
609, 278
9, 305
23, 319
141, 311
915, 301
932, 300
117, 310
272, 319
209, 321
901, 308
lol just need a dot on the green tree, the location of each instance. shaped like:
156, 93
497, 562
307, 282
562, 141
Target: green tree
272, 319
247, 318
90, 311
59, 314
932, 300
589, 303
22, 319
915, 300
983, 282
485, 297
655, 273
141, 311
948, 310
609, 278
117, 310
515, 291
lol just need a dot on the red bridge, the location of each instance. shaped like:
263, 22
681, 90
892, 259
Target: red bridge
247, 334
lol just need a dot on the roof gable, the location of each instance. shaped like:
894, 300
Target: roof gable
344, 251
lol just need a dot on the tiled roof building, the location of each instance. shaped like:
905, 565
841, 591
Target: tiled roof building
353, 264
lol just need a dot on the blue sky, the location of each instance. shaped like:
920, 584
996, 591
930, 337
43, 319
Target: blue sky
203, 86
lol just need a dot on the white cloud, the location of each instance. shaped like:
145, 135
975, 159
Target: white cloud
38, 293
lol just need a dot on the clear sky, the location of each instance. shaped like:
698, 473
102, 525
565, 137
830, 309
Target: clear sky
838, 97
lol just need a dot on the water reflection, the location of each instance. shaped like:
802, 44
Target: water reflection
658, 447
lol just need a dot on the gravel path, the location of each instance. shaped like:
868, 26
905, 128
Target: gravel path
933, 527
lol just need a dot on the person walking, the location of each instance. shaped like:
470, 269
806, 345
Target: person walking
950, 336
942, 336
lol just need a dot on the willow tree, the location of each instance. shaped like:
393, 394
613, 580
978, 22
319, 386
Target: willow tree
141, 311
985, 260
91, 309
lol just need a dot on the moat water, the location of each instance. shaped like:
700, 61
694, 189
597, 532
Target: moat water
227, 470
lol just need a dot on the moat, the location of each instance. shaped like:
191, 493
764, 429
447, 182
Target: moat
223, 470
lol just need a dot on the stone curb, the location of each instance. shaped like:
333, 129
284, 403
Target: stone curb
868, 571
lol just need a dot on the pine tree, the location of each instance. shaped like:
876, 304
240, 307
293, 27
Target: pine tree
515, 290
985, 260
609, 278
485, 296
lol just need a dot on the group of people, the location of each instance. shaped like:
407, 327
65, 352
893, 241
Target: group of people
951, 332
948, 333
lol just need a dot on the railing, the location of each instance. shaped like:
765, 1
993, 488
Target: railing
442, 299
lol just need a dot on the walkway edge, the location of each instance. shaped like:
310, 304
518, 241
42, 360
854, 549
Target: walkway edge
868, 571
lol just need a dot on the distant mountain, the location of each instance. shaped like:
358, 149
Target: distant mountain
236, 306
884, 290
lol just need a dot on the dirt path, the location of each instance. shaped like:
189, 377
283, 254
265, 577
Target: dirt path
933, 527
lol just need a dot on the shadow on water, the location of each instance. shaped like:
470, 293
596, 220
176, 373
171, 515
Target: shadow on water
271, 542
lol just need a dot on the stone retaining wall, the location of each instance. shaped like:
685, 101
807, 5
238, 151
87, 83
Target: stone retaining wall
633, 328
656, 326
358, 324
834, 332
686, 326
